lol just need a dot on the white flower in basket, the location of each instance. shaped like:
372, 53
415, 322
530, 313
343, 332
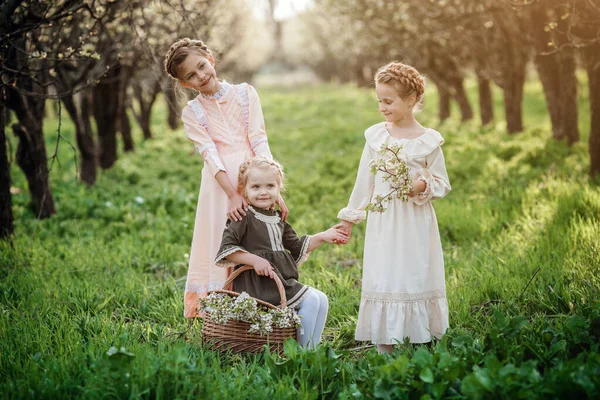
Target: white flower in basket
223, 308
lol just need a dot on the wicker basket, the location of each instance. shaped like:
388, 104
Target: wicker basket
234, 336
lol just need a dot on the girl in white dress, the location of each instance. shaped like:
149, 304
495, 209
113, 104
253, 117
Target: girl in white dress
403, 285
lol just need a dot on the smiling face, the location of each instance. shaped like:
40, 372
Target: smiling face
262, 188
391, 105
198, 72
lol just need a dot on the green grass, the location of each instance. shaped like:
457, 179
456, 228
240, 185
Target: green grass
520, 233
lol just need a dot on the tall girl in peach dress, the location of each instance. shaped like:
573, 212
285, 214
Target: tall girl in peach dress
225, 123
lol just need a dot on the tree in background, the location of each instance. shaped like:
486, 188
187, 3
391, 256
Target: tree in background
449, 40
94, 56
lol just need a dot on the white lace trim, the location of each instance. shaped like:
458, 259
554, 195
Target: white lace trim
425, 175
211, 154
203, 287
391, 297
296, 301
242, 91
221, 261
258, 141
269, 219
352, 215
200, 114
263, 150
304, 253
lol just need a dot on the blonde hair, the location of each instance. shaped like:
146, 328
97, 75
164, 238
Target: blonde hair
406, 80
262, 163
179, 51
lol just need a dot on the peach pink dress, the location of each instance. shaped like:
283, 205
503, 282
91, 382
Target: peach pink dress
227, 129
403, 284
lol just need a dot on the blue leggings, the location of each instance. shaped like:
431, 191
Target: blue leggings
313, 313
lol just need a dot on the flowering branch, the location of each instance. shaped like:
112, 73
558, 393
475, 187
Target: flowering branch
395, 172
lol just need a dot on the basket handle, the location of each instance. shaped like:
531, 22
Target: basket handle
245, 268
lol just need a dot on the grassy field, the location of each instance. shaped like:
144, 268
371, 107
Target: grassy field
91, 299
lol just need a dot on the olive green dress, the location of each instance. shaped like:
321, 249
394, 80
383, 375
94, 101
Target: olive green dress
263, 233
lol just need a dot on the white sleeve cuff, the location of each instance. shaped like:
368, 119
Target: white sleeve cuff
209, 153
424, 175
261, 147
352, 215
221, 261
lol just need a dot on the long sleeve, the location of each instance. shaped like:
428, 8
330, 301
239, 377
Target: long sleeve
231, 242
435, 176
362, 192
257, 134
297, 246
197, 132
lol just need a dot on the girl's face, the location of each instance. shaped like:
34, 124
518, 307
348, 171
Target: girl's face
391, 105
198, 72
262, 188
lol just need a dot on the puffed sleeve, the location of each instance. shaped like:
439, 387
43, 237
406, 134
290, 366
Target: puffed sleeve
435, 177
362, 192
231, 242
196, 131
257, 134
297, 246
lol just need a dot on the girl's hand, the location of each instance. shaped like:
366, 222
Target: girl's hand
418, 187
345, 227
264, 268
283, 208
238, 207
335, 236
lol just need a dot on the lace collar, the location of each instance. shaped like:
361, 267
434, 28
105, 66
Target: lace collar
219, 94
267, 216
421, 146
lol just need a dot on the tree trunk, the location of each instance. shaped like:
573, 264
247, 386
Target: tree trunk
105, 104
466, 112
486, 106
568, 91
444, 106
556, 71
31, 151
173, 108
84, 135
513, 99
123, 119
592, 63
125, 128
145, 101
6, 215
31, 157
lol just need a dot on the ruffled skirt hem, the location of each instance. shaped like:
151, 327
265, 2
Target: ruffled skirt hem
389, 322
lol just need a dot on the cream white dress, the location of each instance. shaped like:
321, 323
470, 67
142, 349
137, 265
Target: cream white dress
403, 285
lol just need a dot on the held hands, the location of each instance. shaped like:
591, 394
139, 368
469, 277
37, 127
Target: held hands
238, 207
346, 228
263, 267
335, 235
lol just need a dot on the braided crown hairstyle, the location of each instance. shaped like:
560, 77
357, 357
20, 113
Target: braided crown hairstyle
262, 163
179, 52
406, 80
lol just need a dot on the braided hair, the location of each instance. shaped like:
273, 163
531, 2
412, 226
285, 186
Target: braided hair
262, 163
179, 52
406, 80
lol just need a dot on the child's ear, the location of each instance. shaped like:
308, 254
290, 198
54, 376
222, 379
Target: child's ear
211, 60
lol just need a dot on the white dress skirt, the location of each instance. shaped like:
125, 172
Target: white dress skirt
403, 283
